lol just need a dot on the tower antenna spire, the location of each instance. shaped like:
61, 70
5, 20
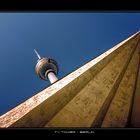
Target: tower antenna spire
39, 57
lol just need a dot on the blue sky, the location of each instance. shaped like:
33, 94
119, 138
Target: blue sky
72, 39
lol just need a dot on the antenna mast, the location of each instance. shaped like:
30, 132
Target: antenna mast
37, 54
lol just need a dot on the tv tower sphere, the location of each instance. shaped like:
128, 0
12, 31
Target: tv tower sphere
46, 68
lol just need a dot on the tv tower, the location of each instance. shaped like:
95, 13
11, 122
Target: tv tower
46, 68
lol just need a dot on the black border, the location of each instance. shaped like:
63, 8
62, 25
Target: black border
42, 132
67, 6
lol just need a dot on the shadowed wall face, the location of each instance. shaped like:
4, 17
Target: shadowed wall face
88, 108
99, 94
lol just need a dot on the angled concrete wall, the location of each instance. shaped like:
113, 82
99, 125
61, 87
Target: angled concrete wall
102, 93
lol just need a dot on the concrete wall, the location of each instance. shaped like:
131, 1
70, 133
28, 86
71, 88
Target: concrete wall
89, 106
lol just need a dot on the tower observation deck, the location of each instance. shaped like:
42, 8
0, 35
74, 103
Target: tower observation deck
46, 68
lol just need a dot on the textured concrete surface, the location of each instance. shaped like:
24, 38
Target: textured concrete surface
135, 114
93, 98
82, 98
118, 112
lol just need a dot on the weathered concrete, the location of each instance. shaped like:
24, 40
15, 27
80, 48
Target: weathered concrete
135, 114
118, 112
82, 98
93, 99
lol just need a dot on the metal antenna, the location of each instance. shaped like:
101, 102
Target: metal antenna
37, 54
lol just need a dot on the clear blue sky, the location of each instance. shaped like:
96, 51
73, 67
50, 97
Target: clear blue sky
72, 39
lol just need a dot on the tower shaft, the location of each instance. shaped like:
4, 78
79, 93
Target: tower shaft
52, 77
